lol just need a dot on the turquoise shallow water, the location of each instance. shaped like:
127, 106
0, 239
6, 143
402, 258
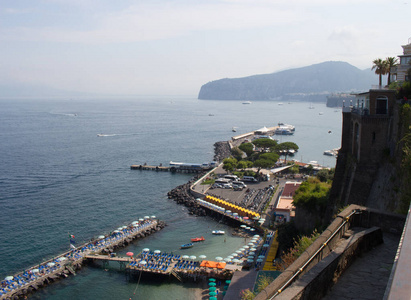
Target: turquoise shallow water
57, 177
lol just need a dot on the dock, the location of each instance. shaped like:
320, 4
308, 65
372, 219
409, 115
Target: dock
35, 277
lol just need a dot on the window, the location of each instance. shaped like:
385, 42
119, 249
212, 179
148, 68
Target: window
381, 105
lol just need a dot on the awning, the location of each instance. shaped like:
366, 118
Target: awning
277, 170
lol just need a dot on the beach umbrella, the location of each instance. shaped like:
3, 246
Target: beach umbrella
250, 260
250, 257
245, 218
35, 270
62, 258
211, 279
252, 229
141, 220
185, 257
123, 227
251, 253
101, 237
230, 257
9, 278
135, 222
212, 288
146, 217
157, 251
243, 226
256, 236
212, 293
193, 257
219, 258
266, 245
238, 251
261, 256
202, 256
153, 217
235, 260
242, 249
212, 284
129, 253
50, 264
227, 259
143, 262
246, 247
116, 231
250, 244
146, 250
253, 249
248, 228
260, 260
234, 254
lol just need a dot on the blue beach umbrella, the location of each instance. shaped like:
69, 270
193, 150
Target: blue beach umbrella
212, 293
212, 289
212, 284
211, 279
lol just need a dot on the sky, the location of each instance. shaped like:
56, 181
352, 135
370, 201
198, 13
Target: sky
159, 47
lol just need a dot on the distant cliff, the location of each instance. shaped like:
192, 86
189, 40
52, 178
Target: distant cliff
324, 78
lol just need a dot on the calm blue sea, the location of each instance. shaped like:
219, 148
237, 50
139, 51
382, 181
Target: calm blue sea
58, 177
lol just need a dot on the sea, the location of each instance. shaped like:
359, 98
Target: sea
65, 170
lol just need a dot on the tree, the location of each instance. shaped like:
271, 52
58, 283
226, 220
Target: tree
263, 164
391, 63
285, 147
265, 143
237, 153
242, 164
229, 164
248, 148
380, 67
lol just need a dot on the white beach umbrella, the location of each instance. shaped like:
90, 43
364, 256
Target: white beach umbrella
146, 250
227, 259
9, 278
157, 251
51, 264
202, 256
141, 219
101, 237
143, 262
234, 254
251, 253
235, 260
193, 257
35, 270
219, 258
62, 258
153, 217
253, 249
185, 257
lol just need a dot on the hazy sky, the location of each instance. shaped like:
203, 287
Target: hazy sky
173, 47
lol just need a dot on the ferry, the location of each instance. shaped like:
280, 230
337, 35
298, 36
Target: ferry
218, 232
198, 239
186, 246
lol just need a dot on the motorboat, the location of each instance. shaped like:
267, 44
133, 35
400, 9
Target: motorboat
283, 131
186, 246
218, 232
247, 102
282, 125
198, 239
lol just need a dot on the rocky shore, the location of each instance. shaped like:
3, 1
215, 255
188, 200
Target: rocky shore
221, 151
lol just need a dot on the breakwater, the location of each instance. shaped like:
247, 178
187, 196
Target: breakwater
28, 281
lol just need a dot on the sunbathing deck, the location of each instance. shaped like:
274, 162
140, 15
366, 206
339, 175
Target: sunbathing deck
32, 278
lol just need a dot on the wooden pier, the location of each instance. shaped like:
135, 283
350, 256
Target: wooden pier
61, 266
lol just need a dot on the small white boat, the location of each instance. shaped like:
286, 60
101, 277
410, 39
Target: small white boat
247, 102
218, 232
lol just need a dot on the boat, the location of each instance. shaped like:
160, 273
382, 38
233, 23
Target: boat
234, 129
198, 239
186, 246
247, 102
282, 125
283, 131
218, 232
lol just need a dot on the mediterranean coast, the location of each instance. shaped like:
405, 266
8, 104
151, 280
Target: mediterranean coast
96, 191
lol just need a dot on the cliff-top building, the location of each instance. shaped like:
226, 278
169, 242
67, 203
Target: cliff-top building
400, 72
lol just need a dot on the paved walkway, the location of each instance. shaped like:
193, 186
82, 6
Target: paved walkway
367, 277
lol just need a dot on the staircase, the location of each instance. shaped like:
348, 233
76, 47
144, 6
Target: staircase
176, 275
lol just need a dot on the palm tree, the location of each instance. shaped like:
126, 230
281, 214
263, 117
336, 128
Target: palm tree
380, 67
391, 63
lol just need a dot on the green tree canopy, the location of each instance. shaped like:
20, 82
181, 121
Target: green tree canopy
263, 163
248, 148
325, 175
265, 143
242, 164
237, 153
229, 164
270, 156
312, 195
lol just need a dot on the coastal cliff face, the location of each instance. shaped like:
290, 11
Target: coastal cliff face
370, 168
319, 79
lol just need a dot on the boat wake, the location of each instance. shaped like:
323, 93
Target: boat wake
115, 134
